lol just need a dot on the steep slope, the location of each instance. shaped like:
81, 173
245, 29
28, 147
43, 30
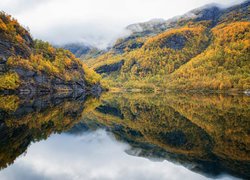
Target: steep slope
30, 66
224, 65
159, 54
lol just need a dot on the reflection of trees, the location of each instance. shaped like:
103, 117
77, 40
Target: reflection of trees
211, 131
224, 118
34, 120
207, 133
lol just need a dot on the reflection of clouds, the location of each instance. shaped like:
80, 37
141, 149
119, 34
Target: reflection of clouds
94, 155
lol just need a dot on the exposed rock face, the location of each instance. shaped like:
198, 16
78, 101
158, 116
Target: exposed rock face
3, 67
207, 13
110, 68
176, 42
40, 83
9, 46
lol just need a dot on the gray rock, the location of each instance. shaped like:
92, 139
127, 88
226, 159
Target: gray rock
110, 68
3, 68
3, 59
176, 42
41, 79
24, 73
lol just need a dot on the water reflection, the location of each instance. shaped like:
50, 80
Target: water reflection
208, 134
94, 155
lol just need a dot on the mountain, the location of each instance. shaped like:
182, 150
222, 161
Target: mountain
83, 51
205, 49
29, 66
78, 49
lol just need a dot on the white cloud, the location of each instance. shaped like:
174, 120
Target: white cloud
96, 22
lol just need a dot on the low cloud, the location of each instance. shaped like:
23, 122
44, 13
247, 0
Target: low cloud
95, 34
95, 22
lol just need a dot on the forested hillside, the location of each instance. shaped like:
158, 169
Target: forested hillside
205, 49
28, 65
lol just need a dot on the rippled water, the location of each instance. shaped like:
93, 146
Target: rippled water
125, 136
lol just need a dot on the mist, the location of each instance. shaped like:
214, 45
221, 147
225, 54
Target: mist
94, 22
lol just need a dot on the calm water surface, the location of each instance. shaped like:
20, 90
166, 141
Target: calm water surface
125, 136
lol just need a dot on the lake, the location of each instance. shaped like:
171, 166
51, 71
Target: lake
151, 136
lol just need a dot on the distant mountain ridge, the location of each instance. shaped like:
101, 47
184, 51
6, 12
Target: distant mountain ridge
78, 49
155, 26
208, 12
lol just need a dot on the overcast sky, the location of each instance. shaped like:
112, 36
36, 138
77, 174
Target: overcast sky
97, 22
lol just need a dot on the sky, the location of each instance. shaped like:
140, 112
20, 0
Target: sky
94, 22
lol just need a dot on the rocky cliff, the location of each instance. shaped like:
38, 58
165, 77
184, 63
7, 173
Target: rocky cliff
28, 66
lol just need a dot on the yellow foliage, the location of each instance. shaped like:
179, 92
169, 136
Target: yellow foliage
19, 39
35, 62
210, 59
3, 25
90, 75
186, 31
9, 81
223, 66
9, 102
38, 56
67, 62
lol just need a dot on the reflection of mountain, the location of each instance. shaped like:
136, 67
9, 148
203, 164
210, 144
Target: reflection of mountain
208, 134
23, 122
